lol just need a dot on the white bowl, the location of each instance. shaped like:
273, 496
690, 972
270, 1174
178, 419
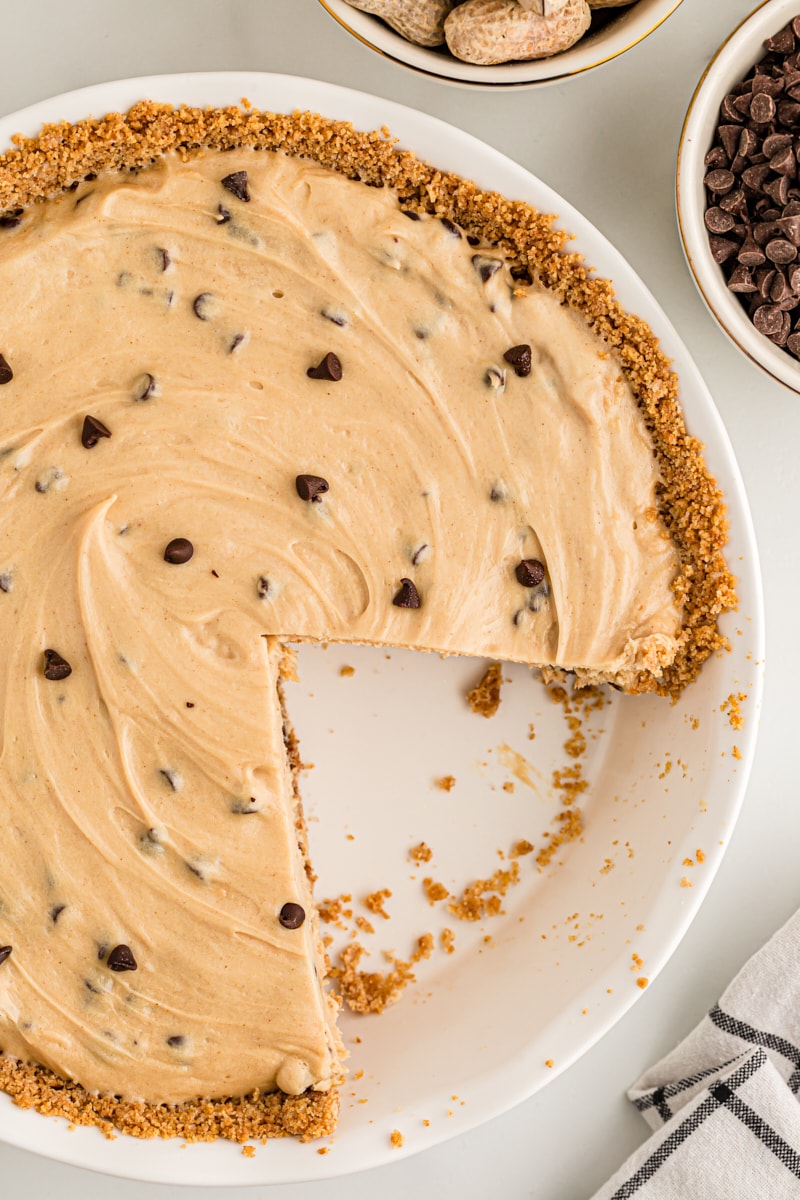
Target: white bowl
488, 1024
737, 55
615, 32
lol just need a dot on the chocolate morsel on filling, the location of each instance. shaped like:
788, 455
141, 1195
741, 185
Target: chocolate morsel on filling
529, 572
520, 359
237, 185
6, 374
163, 257
262, 587
408, 596
175, 1040
236, 341
178, 551
93, 430
56, 911
450, 226
121, 959
201, 306
311, 487
145, 388
223, 215
329, 368
412, 216
292, 916
495, 379
5, 952
5, 581
55, 667
486, 267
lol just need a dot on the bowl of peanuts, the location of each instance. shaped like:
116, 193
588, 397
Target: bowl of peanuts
500, 43
738, 188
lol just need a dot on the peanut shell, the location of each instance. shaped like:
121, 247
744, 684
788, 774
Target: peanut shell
495, 31
420, 21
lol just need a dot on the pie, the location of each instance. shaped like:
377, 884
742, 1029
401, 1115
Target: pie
265, 379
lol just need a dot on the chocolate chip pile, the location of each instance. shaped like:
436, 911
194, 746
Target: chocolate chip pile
753, 189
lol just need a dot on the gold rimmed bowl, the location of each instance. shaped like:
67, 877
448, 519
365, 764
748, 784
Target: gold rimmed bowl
613, 31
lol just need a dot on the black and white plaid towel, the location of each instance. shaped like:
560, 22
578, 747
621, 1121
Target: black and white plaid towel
725, 1104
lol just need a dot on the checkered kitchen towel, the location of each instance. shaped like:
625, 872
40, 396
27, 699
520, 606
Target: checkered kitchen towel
725, 1104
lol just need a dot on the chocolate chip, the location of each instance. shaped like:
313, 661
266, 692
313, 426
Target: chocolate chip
495, 378
741, 280
729, 136
175, 1040
790, 228
781, 42
751, 254
237, 185
55, 667
419, 554
311, 487
6, 374
529, 572
10, 222
202, 306
412, 216
262, 587
178, 551
722, 248
486, 267
56, 911
5, 952
329, 368
121, 959
93, 430
719, 181
451, 227
223, 215
236, 342
719, 221
337, 315
163, 257
144, 388
520, 359
6, 581
173, 778
762, 108
779, 250
784, 163
718, 156
292, 916
793, 344
408, 596
768, 319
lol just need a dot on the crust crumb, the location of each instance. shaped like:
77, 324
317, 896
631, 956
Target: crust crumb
733, 707
445, 783
420, 854
396, 1138
484, 698
375, 902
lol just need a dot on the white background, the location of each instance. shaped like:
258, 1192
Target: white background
607, 141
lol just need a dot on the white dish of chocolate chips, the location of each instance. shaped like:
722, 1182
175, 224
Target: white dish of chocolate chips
738, 190
532, 871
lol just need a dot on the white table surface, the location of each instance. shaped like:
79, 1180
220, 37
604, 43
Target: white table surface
607, 141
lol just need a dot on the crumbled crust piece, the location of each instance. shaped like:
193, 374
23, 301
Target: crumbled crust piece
484, 698
445, 783
373, 991
420, 854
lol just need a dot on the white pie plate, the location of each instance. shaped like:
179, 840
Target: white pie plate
476, 1034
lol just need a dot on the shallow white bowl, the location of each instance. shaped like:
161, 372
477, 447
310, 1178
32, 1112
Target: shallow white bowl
741, 51
489, 1024
623, 29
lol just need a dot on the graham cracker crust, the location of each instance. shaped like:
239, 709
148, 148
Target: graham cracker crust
690, 502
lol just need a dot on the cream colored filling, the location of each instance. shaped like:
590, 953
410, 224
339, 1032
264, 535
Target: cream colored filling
170, 828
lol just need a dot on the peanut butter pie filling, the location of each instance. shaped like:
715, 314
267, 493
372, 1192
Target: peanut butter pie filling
244, 401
